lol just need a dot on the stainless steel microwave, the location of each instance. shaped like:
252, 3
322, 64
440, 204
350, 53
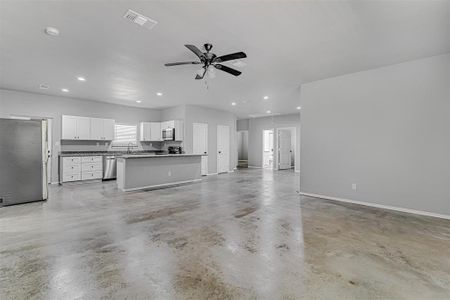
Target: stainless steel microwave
168, 134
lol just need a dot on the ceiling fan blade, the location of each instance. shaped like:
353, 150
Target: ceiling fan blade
227, 69
196, 51
183, 63
199, 75
231, 56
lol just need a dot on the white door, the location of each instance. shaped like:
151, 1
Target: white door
223, 148
200, 143
83, 128
69, 128
284, 149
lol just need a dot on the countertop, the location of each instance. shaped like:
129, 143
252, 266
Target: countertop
103, 153
157, 155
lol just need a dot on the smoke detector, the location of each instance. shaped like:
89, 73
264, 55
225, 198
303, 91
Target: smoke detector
139, 19
43, 86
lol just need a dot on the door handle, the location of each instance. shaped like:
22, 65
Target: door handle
220, 151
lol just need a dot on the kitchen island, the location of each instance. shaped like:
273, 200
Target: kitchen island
143, 171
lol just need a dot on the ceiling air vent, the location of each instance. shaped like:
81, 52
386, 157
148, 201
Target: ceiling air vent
140, 19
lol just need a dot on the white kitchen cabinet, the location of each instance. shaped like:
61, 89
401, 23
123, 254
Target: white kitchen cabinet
81, 168
150, 132
144, 132
75, 128
108, 129
178, 125
167, 124
96, 129
155, 131
84, 128
102, 129
69, 128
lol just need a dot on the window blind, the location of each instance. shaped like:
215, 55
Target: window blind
124, 134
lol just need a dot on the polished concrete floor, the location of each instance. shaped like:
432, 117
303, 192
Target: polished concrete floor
244, 235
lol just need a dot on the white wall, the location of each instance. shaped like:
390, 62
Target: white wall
386, 129
213, 117
242, 144
37, 105
255, 136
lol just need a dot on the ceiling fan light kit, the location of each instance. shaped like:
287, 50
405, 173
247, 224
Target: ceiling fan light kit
209, 59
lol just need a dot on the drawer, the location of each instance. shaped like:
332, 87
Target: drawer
71, 160
71, 169
71, 177
90, 167
91, 175
91, 159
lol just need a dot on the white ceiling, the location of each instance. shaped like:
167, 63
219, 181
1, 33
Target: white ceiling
287, 43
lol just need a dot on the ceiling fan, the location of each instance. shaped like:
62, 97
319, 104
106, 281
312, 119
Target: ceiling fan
209, 59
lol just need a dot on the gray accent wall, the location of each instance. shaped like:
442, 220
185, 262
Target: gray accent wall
387, 130
255, 136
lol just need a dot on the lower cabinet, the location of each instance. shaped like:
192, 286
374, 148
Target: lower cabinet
81, 168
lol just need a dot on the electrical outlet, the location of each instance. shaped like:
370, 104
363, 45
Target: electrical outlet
354, 186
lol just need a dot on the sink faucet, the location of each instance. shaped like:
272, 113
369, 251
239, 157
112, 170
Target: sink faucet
129, 147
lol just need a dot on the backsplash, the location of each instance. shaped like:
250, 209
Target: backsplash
69, 145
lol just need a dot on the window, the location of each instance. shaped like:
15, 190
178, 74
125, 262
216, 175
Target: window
124, 134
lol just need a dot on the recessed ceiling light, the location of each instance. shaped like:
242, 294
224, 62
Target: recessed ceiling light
266, 97
80, 78
299, 107
233, 103
159, 94
268, 111
43, 86
51, 31
138, 101
65, 90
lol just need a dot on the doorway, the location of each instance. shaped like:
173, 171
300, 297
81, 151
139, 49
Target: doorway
242, 143
268, 157
200, 144
223, 148
286, 146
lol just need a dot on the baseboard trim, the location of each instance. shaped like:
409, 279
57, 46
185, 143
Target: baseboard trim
212, 174
161, 185
395, 208
254, 167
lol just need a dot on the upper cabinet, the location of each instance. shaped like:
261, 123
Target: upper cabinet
178, 125
150, 132
102, 129
75, 128
83, 128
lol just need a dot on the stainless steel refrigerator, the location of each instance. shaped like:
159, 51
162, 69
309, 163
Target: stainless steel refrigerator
23, 161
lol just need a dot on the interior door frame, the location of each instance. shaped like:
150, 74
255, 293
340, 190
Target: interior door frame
274, 145
229, 148
293, 141
207, 144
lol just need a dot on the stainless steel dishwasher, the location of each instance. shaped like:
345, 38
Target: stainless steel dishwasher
109, 167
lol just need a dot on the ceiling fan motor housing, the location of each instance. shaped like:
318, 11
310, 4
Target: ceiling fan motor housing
208, 47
